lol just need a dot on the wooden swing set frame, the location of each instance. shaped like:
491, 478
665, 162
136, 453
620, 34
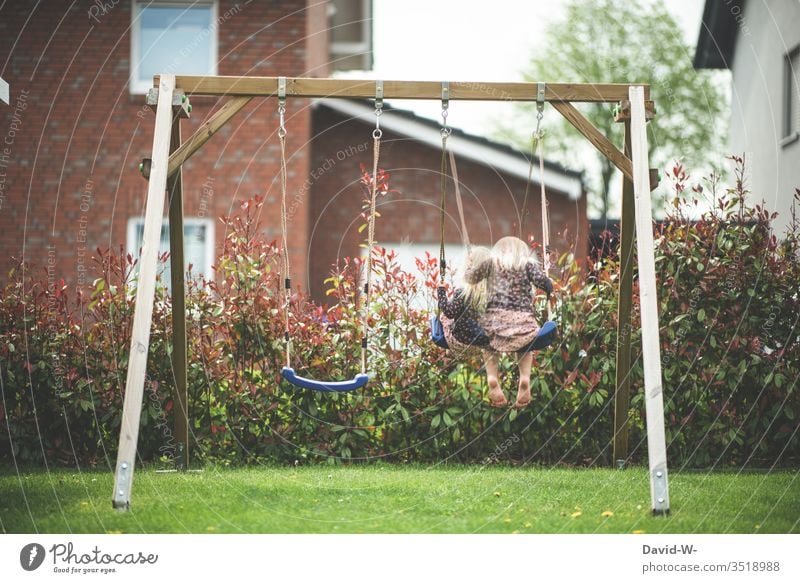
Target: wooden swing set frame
169, 97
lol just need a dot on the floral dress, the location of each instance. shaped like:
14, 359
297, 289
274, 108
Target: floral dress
509, 321
460, 322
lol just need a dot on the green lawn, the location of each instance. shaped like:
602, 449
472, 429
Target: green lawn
389, 498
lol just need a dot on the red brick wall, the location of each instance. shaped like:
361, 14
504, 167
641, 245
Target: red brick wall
81, 135
491, 200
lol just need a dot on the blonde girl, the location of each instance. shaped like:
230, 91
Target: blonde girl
510, 273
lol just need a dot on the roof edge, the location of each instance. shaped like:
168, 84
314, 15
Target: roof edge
469, 146
719, 30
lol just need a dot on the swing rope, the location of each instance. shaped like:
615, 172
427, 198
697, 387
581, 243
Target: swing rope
445, 132
437, 330
537, 141
459, 202
287, 281
545, 210
377, 133
288, 372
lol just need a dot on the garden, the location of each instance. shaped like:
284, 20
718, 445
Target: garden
419, 440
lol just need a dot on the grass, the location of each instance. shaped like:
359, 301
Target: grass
399, 499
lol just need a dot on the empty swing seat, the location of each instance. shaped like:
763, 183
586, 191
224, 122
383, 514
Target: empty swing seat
356, 382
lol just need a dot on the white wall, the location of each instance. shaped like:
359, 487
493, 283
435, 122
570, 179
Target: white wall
769, 29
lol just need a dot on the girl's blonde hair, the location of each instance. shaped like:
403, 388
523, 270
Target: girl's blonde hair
477, 294
512, 253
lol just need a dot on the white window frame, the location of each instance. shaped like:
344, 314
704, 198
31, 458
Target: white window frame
140, 87
210, 243
365, 48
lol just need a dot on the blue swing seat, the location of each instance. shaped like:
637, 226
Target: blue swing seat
356, 382
545, 337
437, 333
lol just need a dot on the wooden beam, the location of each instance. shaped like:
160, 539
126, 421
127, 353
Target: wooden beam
204, 133
360, 88
595, 137
648, 301
145, 293
624, 329
178, 279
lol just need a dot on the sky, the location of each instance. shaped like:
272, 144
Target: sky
473, 40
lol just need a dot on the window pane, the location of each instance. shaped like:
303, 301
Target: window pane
194, 252
347, 21
176, 40
195, 242
351, 35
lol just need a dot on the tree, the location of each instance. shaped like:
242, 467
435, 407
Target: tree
616, 41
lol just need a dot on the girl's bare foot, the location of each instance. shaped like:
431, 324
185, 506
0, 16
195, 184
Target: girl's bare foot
523, 394
496, 396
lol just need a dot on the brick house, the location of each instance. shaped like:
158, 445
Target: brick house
76, 129
492, 178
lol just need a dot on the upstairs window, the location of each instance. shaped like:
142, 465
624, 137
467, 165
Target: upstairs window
791, 95
351, 35
172, 37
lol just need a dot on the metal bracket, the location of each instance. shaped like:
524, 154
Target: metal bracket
281, 90
540, 92
378, 94
660, 490
445, 94
122, 495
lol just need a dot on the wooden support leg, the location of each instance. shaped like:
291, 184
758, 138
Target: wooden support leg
145, 293
179, 354
651, 348
625, 300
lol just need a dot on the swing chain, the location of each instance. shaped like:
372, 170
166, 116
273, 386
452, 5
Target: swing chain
445, 131
540, 93
282, 107
377, 133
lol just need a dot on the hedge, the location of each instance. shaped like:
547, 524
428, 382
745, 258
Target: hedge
730, 355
